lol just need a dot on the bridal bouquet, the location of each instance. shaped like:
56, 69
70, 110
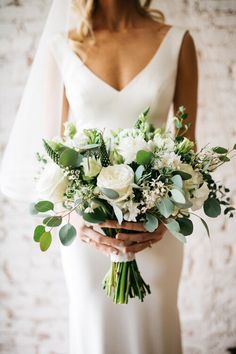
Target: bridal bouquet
142, 174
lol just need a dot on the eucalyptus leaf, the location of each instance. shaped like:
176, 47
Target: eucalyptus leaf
118, 213
39, 230
185, 176
32, 209
178, 196
45, 241
139, 172
43, 206
151, 223
53, 221
109, 193
206, 226
67, 234
174, 228
212, 207
220, 150
166, 207
70, 158
186, 226
144, 157
177, 181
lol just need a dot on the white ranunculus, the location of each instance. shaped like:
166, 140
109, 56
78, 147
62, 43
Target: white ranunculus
118, 178
167, 159
129, 146
91, 166
52, 183
196, 179
200, 195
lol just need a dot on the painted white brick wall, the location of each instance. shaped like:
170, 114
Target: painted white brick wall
33, 298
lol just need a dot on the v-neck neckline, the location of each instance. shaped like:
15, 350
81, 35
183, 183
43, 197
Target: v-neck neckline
135, 77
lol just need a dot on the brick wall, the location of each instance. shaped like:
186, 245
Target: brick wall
33, 298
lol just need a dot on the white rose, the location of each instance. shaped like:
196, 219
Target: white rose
200, 195
52, 183
196, 179
118, 178
91, 166
165, 143
167, 159
129, 146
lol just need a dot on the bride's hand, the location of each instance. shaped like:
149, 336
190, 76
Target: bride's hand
138, 240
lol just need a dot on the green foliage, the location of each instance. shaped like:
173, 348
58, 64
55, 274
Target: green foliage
212, 207
39, 230
186, 226
54, 155
70, 158
45, 241
166, 207
151, 222
67, 234
178, 196
144, 157
97, 216
220, 150
138, 173
109, 193
174, 228
44, 206
118, 213
185, 176
105, 161
52, 221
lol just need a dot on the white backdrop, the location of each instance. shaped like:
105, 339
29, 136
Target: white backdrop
33, 298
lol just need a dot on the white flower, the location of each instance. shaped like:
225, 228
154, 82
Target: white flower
129, 146
52, 183
132, 210
164, 143
80, 139
167, 159
196, 179
118, 178
199, 197
91, 166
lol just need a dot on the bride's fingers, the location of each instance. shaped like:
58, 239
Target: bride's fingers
99, 246
133, 226
99, 238
143, 236
141, 246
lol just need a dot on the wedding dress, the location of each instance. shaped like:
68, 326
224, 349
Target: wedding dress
96, 325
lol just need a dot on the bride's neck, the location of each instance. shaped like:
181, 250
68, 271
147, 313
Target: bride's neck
115, 15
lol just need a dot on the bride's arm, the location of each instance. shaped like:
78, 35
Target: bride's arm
186, 89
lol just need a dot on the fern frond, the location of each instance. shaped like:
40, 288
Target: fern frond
54, 155
105, 161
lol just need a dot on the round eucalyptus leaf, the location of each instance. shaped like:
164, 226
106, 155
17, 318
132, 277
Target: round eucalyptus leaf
186, 226
166, 207
44, 205
144, 157
109, 193
45, 241
178, 196
212, 207
53, 221
67, 234
38, 231
70, 158
151, 223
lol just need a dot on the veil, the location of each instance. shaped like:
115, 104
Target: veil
39, 112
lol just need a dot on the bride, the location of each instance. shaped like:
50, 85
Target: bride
117, 59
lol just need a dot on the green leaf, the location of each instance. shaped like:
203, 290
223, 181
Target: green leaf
174, 228
177, 180
32, 209
95, 217
166, 207
109, 193
178, 196
45, 241
118, 213
220, 150
185, 176
67, 234
38, 231
224, 158
70, 158
43, 206
234, 147
144, 157
178, 124
186, 226
53, 221
151, 223
139, 172
212, 207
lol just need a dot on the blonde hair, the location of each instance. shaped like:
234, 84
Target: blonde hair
85, 10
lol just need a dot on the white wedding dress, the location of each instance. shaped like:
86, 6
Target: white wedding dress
96, 325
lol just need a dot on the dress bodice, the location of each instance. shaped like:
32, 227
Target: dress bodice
94, 103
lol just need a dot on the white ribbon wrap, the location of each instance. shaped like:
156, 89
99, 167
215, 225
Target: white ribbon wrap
122, 256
